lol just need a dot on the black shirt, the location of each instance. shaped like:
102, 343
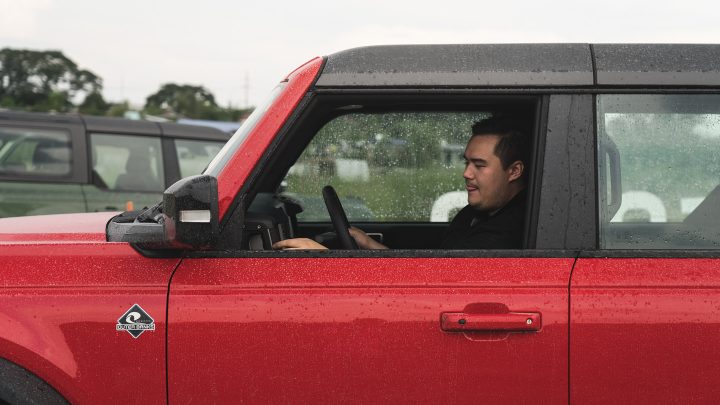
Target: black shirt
471, 229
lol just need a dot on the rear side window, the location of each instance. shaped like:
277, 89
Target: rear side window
659, 171
35, 152
127, 163
194, 156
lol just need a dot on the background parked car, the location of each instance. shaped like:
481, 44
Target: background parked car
53, 164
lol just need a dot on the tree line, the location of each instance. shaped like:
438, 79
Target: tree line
48, 81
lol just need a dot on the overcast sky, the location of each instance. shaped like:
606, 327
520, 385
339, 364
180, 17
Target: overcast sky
136, 46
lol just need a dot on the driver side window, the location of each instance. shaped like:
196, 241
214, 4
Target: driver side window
386, 167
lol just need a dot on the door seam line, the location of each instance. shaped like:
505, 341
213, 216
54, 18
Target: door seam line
167, 329
569, 311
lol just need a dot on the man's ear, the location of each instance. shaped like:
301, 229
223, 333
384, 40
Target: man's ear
515, 170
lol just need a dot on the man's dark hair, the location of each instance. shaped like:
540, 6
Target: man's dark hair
512, 145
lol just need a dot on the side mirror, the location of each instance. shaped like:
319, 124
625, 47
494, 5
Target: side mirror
190, 212
187, 218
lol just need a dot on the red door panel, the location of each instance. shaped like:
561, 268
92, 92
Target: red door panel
268, 330
65, 330
645, 331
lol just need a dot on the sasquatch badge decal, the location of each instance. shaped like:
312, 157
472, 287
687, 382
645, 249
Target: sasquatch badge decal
135, 321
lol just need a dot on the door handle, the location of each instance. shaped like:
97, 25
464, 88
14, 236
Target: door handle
510, 321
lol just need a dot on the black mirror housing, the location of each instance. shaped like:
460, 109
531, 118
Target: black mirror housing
190, 212
187, 218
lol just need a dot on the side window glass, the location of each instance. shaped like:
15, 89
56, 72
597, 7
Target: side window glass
194, 156
386, 167
659, 171
127, 163
34, 152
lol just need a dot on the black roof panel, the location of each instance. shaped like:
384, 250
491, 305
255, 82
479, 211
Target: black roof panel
120, 125
657, 64
39, 117
460, 66
114, 125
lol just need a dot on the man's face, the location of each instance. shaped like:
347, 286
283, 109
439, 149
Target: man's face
487, 183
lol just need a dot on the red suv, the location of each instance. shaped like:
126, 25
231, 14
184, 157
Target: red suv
612, 299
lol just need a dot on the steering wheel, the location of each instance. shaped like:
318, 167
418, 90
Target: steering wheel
338, 218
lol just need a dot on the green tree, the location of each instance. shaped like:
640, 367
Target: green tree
185, 100
118, 109
234, 114
42, 80
94, 104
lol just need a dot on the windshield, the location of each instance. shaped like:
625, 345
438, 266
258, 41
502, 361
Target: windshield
234, 143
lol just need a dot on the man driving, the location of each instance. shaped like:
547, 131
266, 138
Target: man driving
495, 180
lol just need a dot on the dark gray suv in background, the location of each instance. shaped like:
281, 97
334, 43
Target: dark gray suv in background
53, 164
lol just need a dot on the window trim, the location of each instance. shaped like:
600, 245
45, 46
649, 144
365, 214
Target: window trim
624, 251
306, 116
386, 253
567, 209
163, 177
648, 254
78, 163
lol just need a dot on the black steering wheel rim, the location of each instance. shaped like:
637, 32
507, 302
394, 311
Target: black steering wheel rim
338, 218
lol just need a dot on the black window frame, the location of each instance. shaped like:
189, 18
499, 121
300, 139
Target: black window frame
232, 224
626, 252
78, 146
163, 164
567, 210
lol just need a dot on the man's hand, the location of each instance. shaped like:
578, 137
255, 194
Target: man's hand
298, 244
363, 240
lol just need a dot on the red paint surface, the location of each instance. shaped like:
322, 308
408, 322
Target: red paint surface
644, 331
364, 331
59, 303
234, 174
63, 288
61, 228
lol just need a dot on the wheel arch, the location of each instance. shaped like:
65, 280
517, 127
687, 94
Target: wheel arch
21, 386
